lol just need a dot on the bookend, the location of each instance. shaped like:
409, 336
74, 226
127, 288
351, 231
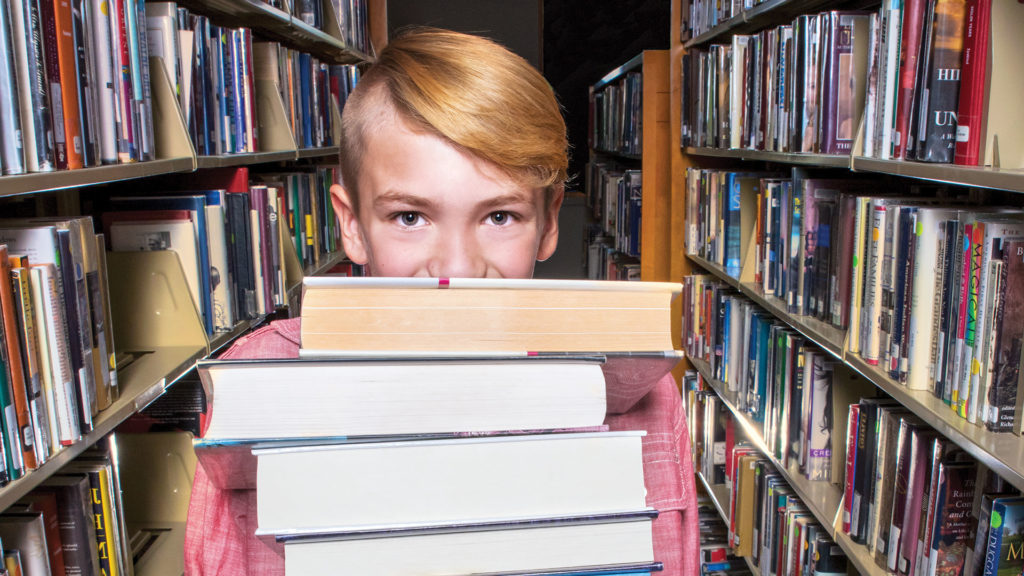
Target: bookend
172, 139
156, 470
156, 324
275, 132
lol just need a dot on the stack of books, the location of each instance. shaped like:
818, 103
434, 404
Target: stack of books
447, 427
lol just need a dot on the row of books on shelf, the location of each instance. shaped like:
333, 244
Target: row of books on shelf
352, 18
928, 80
231, 240
791, 390
514, 476
703, 15
604, 262
615, 196
920, 504
217, 74
57, 364
83, 92
616, 115
75, 86
913, 499
716, 555
73, 523
925, 287
766, 521
793, 88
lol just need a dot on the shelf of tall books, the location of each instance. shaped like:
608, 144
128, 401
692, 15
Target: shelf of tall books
164, 190
853, 317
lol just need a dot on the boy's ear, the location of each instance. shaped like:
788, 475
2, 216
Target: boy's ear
549, 236
352, 239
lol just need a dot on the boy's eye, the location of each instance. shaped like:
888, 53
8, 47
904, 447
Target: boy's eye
500, 218
409, 218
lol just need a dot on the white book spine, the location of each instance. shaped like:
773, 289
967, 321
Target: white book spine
922, 299
50, 315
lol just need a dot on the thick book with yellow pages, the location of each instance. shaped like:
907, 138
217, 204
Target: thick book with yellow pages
342, 315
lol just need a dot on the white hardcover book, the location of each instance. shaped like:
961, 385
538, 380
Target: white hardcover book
388, 485
177, 236
924, 298
299, 399
737, 92
258, 265
508, 548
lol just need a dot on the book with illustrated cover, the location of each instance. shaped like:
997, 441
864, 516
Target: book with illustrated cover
937, 109
1009, 331
1004, 555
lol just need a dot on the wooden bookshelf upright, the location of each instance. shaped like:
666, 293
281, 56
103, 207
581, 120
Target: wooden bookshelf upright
1002, 453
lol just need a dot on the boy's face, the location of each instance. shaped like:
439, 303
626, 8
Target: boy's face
428, 209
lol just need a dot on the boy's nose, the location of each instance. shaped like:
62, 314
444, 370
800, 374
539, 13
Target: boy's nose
459, 256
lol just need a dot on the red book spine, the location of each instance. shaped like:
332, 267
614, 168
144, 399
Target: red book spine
913, 22
851, 457
972, 83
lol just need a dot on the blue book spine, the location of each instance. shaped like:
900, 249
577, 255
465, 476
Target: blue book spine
995, 538
732, 227
306, 86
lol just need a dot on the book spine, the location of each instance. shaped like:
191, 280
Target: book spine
995, 539
103, 73
11, 150
101, 520
143, 90
937, 131
957, 344
1009, 335
83, 73
972, 88
50, 313
871, 311
851, 467
50, 39
127, 150
910, 47
967, 400
38, 432
21, 434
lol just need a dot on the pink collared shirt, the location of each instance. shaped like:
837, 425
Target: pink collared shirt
219, 537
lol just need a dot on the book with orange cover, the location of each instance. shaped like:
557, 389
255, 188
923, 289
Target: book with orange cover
17, 368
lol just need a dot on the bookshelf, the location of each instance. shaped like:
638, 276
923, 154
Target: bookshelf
1002, 453
158, 330
654, 159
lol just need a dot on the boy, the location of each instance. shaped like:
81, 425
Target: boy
454, 160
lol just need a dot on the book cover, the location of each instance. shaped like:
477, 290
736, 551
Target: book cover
909, 55
972, 94
20, 433
1009, 332
39, 427
936, 132
11, 144
77, 531
36, 121
1004, 555
952, 519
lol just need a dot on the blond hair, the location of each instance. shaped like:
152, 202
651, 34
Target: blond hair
468, 90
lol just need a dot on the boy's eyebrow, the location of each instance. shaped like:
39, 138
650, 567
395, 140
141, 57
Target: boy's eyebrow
404, 198
506, 199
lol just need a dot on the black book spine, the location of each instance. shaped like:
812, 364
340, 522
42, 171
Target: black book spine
937, 129
901, 251
90, 142
84, 385
860, 479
